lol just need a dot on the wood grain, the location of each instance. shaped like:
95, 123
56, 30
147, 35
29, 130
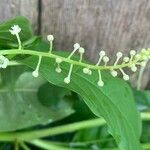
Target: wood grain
12, 8
111, 25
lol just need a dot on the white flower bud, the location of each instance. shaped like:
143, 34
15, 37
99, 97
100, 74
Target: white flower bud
86, 70
133, 68
100, 83
3, 62
76, 46
102, 53
114, 73
126, 59
132, 52
35, 74
106, 59
50, 37
67, 80
137, 56
126, 77
81, 50
58, 70
119, 54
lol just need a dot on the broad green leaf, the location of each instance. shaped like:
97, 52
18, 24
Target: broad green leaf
8, 40
19, 104
114, 102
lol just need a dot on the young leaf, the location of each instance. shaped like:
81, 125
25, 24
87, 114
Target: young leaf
114, 101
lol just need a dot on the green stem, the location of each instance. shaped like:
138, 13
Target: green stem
30, 135
140, 77
16, 145
50, 55
50, 145
24, 146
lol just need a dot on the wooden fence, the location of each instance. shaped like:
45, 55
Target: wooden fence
111, 25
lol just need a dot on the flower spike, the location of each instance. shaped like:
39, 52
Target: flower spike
67, 79
100, 82
76, 47
50, 38
35, 73
15, 30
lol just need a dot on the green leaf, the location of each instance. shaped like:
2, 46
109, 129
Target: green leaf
19, 104
8, 40
114, 102
142, 98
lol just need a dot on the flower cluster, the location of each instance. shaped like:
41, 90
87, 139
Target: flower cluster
119, 64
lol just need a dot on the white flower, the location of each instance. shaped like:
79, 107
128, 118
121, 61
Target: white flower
50, 37
67, 80
81, 50
126, 77
100, 83
15, 30
113, 73
35, 73
3, 62
76, 46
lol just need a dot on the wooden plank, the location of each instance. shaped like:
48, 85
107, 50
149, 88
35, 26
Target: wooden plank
111, 25
12, 8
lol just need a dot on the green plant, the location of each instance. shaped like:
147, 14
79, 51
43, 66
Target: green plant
33, 100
